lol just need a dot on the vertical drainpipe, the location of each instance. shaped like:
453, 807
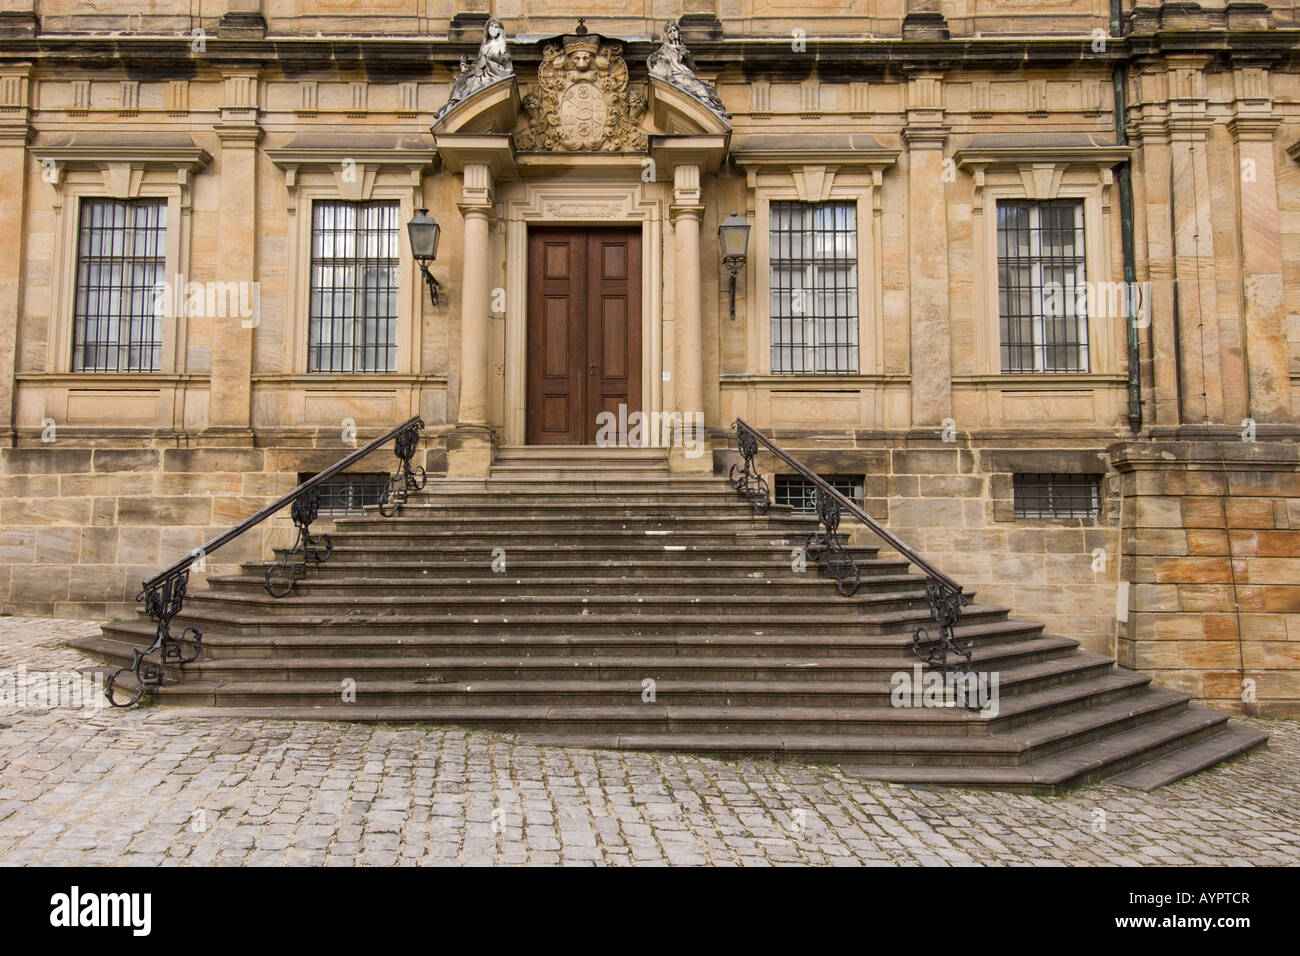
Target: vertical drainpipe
1120, 80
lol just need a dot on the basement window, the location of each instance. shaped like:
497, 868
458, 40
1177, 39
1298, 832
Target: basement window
797, 491
1040, 495
349, 493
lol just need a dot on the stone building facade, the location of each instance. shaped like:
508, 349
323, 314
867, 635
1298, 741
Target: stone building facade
1024, 276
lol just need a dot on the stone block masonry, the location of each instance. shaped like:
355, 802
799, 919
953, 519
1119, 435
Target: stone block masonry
1211, 551
955, 504
80, 528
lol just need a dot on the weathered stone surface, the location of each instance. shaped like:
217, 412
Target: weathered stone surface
297, 788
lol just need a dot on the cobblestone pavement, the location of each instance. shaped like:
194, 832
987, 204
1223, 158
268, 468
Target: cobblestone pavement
167, 786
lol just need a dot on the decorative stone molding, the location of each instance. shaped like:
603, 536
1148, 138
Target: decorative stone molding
123, 166
354, 169
583, 102
673, 63
1040, 168
492, 66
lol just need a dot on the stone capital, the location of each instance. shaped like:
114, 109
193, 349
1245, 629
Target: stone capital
679, 212
1254, 127
925, 137
238, 135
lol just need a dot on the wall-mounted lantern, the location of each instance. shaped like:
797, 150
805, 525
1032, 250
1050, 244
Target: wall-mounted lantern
423, 232
733, 238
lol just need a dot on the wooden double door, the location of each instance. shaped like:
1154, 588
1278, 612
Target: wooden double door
584, 331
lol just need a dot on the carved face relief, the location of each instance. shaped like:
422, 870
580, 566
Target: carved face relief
582, 102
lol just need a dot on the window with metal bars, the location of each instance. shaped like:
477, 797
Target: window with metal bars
121, 259
348, 493
814, 256
1044, 320
354, 262
797, 491
1057, 496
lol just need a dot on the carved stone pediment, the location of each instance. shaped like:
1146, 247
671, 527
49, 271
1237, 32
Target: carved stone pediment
582, 102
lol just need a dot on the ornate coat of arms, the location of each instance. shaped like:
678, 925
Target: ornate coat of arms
582, 103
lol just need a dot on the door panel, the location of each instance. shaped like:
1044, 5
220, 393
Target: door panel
584, 330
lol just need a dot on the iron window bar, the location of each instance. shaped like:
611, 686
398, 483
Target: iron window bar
800, 495
121, 260
350, 492
163, 595
1041, 268
813, 251
355, 260
1041, 495
944, 596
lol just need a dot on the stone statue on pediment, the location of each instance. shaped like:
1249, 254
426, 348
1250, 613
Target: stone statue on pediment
490, 66
673, 63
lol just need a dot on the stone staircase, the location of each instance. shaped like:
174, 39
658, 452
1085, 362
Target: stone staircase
615, 583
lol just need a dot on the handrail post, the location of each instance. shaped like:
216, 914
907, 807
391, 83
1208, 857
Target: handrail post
312, 547
747, 480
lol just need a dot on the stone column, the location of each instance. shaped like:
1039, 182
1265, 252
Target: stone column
469, 449
686, 212
1267, 353
15, 134
230, 392
927, 252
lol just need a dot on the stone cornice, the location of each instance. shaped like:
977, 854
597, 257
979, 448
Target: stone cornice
841, 158
1097, 156
330, 157
92, 155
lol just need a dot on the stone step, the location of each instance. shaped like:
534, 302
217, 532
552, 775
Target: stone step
1126, 729
489, 625
224, 644
618, 572
584, 452
416, 602
605, 571
399, 548
709, 523
818, 706
574, 538
331, 581
1232, 741
425, 509
1047, 657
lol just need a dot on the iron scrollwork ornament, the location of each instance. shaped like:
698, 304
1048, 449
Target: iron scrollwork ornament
163, 602
945, 608
827, 548
292, 566
746, 479
406, 479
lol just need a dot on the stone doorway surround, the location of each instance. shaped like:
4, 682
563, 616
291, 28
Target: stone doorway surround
583, 202
649, 175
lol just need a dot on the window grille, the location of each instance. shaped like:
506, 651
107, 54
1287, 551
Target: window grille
121, 261
814, 308
348, 493
1057, 496
797, 491
354, 278
1040, 275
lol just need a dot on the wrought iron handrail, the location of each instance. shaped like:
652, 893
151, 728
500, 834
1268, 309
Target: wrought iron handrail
944, 595
163, 595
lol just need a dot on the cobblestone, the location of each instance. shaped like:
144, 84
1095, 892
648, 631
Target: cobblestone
154, 785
